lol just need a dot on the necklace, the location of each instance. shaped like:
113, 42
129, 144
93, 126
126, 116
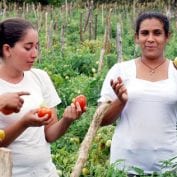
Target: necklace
152, 70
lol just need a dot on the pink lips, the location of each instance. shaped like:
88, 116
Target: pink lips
30, 62
149, 47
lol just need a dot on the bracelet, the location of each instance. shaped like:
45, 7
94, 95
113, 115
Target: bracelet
2, 135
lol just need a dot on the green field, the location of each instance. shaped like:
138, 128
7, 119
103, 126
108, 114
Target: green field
70, 52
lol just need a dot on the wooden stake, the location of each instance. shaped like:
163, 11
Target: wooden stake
34, 9
119, 44
95, 30
50, 33
85, 145
90, 30
81, 34
5, 163
62, 38
102, 14
87, 19
4, 8
66, 10
100, 65
46, 28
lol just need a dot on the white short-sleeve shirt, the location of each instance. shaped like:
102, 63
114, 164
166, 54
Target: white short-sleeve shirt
30, 151
146, 130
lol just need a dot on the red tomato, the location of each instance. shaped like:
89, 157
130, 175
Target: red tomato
43, 111
6, 111
82, 100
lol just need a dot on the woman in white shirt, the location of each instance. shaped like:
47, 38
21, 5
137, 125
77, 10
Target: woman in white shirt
143, 95
27, 135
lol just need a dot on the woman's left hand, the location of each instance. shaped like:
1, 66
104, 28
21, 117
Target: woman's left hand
120, 89
72, 112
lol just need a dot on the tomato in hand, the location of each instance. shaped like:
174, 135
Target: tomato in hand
82, 100
43, 111
7, 111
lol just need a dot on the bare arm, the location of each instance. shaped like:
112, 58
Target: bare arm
56, 128
116, 106
113, 112
14, 130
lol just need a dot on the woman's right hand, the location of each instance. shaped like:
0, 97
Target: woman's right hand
120, 89
12, 102
31, 119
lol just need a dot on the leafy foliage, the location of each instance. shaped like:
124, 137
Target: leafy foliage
73, 68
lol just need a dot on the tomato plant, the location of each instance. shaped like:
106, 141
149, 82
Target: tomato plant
42, 111
82, 100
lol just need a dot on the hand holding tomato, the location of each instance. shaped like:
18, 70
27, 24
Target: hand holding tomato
82, 100
31, 119
42, 111
6, 111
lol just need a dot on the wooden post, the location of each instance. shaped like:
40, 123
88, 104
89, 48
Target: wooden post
102, 14
100, 65
119, 44
46, 28
90, 30
85, 146
81, 31
87, 19
107, 41
62, 38
5, 163
4, 8
95, 31
49, 35
66, 10
23, 9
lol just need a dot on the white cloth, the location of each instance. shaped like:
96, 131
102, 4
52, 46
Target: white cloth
31, 152
145, 133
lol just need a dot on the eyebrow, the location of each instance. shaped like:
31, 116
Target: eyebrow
31, 43
152, 30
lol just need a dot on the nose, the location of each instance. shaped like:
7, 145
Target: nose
34, 53
150, 37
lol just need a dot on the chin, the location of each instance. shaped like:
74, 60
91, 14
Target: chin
27, 68
151, 56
